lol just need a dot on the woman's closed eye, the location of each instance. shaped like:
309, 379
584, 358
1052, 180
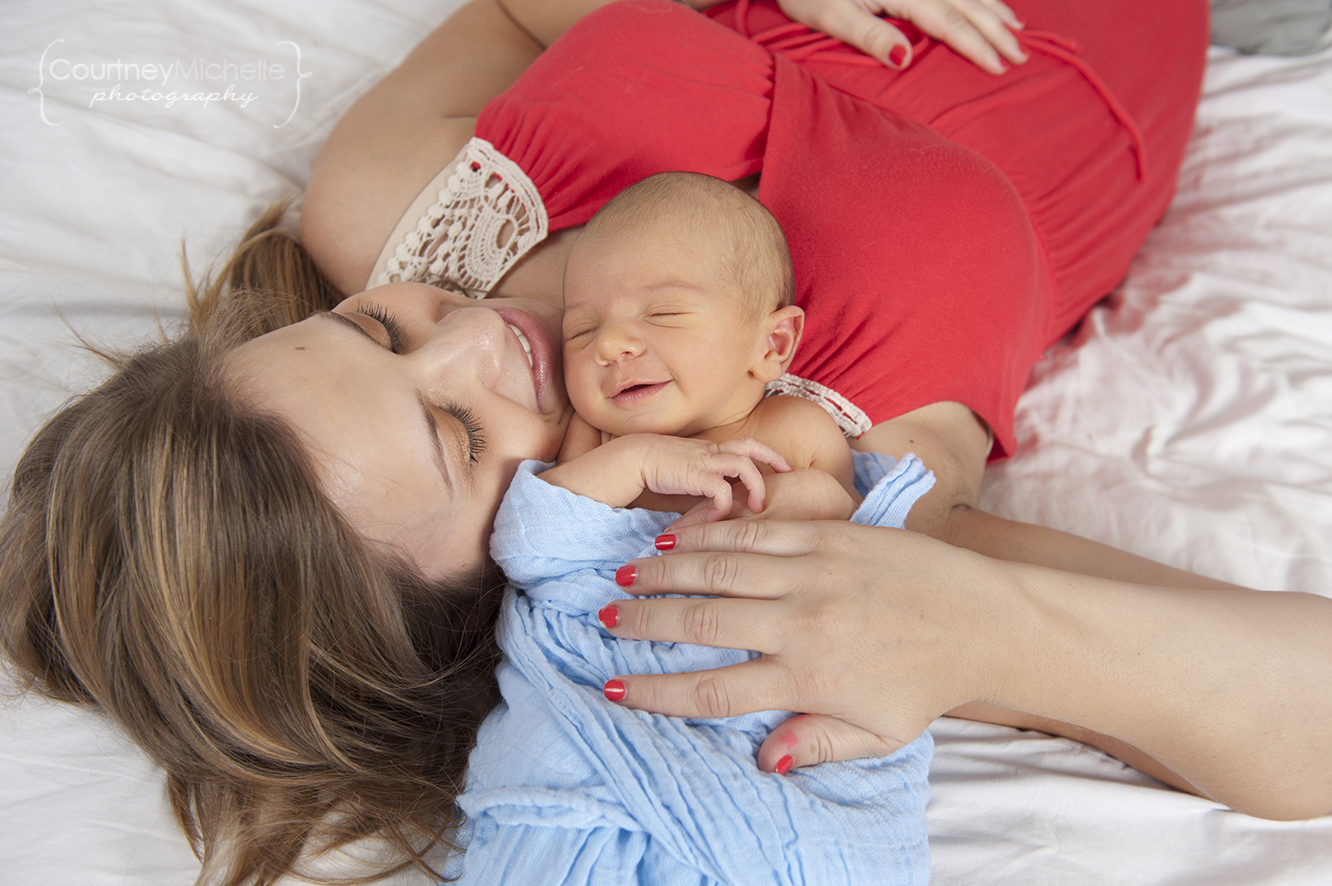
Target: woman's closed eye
384, 318
476, 440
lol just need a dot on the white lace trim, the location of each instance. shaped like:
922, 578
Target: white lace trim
849, 417
486, 217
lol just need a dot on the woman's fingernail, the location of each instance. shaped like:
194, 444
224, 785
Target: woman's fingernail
664, 542
609, 616
897, 55
614, 690
625, 575
783, 765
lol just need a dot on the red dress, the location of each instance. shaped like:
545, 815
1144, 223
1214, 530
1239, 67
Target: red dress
946, 225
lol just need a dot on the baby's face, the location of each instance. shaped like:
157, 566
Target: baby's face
654, 340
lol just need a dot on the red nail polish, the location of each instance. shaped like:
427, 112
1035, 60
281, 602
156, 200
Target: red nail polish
614, 691
783, 765
609, 616
897, 55
625, 575
664, 542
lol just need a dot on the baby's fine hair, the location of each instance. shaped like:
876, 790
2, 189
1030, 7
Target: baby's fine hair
750, 249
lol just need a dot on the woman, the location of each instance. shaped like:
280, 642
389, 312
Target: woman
341, 619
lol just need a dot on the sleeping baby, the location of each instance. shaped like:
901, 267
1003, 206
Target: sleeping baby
677, 314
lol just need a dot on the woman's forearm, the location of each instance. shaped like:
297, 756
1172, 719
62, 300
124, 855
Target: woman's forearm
1005, 539
1231, 689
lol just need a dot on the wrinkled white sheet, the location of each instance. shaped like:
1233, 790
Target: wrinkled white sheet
1190, 421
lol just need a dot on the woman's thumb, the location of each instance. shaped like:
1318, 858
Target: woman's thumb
807, 739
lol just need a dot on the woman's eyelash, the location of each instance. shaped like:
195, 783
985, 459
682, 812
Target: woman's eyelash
476, 441
380, 315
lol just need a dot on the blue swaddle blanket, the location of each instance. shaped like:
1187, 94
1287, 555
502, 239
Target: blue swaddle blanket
566, 787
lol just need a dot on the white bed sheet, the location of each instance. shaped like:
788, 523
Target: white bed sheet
1189, 421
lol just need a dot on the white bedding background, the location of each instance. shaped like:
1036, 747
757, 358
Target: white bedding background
1190, 421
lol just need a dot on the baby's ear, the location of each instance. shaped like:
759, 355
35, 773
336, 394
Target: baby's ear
782, 331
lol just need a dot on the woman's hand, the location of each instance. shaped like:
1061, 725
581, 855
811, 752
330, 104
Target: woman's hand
977, 29
882, 629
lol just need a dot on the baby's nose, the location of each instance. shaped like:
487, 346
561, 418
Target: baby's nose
616, 343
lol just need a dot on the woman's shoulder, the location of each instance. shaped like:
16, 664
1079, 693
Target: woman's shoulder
358, 197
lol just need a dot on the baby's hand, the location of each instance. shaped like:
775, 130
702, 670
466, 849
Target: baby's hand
679, 466
618, 472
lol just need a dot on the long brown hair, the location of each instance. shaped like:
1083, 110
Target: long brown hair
168, 557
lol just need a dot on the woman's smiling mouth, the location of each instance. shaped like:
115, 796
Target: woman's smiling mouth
527, 345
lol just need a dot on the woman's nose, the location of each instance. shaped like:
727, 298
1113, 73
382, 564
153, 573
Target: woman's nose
465, 337
616, 342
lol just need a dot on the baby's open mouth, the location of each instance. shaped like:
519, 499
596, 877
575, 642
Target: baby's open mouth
633, 393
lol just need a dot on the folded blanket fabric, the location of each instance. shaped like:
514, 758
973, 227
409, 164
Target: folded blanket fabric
566, 787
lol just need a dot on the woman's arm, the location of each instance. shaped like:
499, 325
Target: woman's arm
887, 629
401, 133
955, 444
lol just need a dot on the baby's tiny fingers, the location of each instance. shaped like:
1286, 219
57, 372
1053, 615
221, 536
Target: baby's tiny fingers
756, 451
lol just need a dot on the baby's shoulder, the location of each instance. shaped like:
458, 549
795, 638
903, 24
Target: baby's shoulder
803, 415
796, 427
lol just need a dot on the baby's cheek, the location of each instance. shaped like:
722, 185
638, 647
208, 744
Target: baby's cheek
580, 379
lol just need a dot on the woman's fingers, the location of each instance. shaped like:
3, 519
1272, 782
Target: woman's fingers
716, 558
975, 29
702, 621
726, 692
855, 25
809, 739
775, 538
702, 512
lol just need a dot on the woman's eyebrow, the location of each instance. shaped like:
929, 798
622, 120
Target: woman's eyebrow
432, 427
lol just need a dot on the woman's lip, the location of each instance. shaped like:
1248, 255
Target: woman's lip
542, 353
638, 393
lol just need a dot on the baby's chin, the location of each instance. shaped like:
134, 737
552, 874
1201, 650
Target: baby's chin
646, 422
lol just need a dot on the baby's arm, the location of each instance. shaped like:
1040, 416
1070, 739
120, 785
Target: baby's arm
580, 439
810, 438
619, 471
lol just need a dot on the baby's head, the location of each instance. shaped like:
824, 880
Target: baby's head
677, 308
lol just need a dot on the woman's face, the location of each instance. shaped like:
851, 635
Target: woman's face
417, 406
